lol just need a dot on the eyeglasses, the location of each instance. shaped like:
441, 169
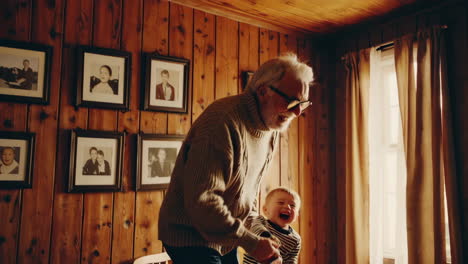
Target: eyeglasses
292, 101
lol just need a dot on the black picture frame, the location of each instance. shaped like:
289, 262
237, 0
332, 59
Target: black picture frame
246, 76
152, 174
19, 148
85, 173
103, 78
19, 85
174, 96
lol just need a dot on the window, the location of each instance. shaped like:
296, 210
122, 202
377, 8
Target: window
387, 169
387, 175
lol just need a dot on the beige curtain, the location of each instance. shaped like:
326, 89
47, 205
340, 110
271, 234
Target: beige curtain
420, 67
357, 157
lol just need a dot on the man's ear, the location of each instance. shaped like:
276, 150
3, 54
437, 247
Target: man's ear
262, 90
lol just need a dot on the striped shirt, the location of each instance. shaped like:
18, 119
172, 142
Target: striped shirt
290, 240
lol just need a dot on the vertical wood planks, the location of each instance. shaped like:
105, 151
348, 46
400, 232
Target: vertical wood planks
324, 192
181, 45
248, 50
203, 62
307, 137
34, 244
155, 38
269, 49
290, 140
15, 21
12, 117
68, 207
227, 48
124, 202
98, 207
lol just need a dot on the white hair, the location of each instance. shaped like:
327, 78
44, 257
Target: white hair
273, 71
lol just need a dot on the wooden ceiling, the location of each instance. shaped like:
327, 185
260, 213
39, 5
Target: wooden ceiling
303, 16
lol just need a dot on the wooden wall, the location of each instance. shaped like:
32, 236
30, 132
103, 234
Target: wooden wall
47, 225
454, 15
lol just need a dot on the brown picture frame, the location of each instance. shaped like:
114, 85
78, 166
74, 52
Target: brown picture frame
103, 78
166, 83
19, 148
25, 72
96, 159
156, 157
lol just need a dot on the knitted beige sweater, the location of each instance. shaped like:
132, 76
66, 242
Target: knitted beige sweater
216, 178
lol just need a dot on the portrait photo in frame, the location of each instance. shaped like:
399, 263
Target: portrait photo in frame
156, 157
165, 84
16, 159
103, 78
25, 72
95, 161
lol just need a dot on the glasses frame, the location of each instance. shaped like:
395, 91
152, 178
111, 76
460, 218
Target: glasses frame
292, 101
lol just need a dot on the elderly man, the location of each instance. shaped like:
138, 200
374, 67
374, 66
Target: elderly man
217, 174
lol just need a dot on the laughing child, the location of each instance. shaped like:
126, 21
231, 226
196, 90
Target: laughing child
281, 209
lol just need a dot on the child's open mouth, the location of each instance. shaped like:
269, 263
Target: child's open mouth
284, 216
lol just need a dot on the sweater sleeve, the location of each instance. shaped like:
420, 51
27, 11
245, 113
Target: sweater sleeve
208, 171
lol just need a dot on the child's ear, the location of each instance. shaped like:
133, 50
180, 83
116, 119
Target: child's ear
264, 209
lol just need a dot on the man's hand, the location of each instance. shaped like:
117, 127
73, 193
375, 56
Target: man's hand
266, 249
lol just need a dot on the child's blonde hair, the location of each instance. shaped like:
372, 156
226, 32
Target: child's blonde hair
293, 193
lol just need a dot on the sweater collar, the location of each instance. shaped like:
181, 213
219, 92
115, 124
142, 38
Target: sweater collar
278, 228
255, 124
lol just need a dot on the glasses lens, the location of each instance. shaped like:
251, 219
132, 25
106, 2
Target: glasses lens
293, 104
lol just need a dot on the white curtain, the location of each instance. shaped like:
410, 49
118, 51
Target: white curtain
387, 170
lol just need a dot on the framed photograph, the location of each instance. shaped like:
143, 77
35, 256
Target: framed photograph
246, 76
16, 159
103, 78
166, 83
24, 72
95, 161
156, 159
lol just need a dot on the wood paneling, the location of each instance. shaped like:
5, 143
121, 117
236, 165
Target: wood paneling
307, 188
181, 45
313, 16
118, 227
68, 208
99, 207
13, 117
128, 122
34, 243
155, 38
269, 49
203, 62
226, 57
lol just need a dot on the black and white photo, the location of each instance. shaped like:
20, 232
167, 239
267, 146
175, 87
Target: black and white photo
16, 159
24, 72
166, 83
95, 161
104, 77
157, 155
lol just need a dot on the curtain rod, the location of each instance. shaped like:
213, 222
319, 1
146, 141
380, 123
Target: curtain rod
388, 45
